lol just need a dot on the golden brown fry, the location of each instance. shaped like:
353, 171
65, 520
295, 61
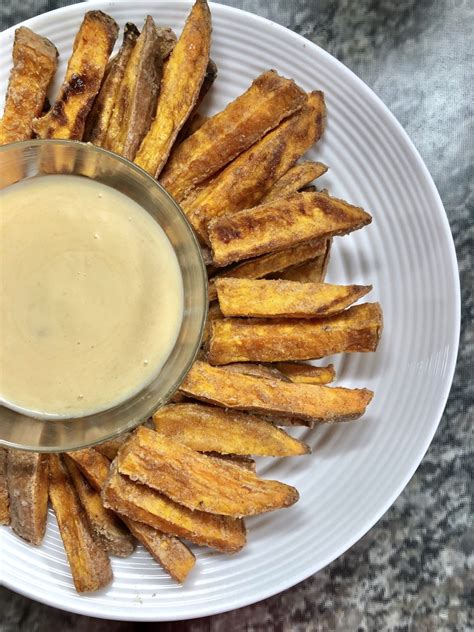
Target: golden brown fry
135, 103
27, 478
302, 373
281, 224
93, 465
244, 182
182, 80
357, 329
213, 313
34, 65
295, 179
196, 120
99, 117
4, 498
197, 481
146, 505
311, 271
244, 392
110, 448
86, 68
257, 370
224, 136
107, 528
237, 459
212, 429
89, 563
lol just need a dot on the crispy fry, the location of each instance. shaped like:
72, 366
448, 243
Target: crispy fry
110, 448
93, 44
224, 136
27, 478
244, 182
196, 120
212, 429
281, 224
357, 329
4, 498
107, 528
135, 103
34, 65
213, 313
182, 80
311, 271
295, 179
89, 563
99, 117
237, 459
195, 123
244, 392
302, 373
197, 481
93, 465
167, 38
146, 505
257, 370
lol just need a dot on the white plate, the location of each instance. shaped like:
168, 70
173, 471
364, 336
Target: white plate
356, 470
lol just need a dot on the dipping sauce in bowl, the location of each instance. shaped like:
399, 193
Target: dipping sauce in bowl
91, 296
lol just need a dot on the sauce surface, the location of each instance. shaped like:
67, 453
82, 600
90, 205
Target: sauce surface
91, 296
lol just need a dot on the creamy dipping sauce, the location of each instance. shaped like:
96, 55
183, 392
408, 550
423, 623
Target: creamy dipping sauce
91, 296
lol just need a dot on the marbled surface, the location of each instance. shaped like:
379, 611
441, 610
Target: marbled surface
413, 570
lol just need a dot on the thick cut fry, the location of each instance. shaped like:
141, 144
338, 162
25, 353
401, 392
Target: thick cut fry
213, 313
311, 271
27, 478
4, 498
244, 182
107, 528
212, 429
99, 116
295, 179
34, 65
244, 392
93, 465
135, 103
89, 563
357, 329
196, 120
257, 370
242, 461
110, 448
86, 68
301, 373
282, 224
146, 505
264, 298
182, 81
224, 136
197, 481
167, 38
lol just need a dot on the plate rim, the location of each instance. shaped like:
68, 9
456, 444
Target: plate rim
311, 569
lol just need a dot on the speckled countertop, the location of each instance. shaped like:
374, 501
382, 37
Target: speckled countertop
413, 570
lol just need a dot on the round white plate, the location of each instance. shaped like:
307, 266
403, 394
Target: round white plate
357, 469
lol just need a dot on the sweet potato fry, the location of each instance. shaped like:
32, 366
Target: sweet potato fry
182, 80
242, 461
213, 313
311, 271
167, 38
4, 498
27, 479
212, 429
281, 224
195, 123
357, 329
244, 392
99, 117
197, 481
110, 448
224, 136
89, 563
135, 103
107, 528
145, 505
34, 65
94, 466
93, 44
244, 182
295, 179
302, 373
257, 370
196, 120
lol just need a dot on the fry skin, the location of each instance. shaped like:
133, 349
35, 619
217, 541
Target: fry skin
197, 481
357, 329
295, 179
89, 563
34, 66
86, 68
182, 79
4, 497
145, 505
224, 136
212, 429
244, 182
257, 370
281, 224
301, 373
244, 392
27, 479
311, 271
265, 298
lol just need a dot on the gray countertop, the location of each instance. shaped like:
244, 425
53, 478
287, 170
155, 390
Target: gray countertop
413, 570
